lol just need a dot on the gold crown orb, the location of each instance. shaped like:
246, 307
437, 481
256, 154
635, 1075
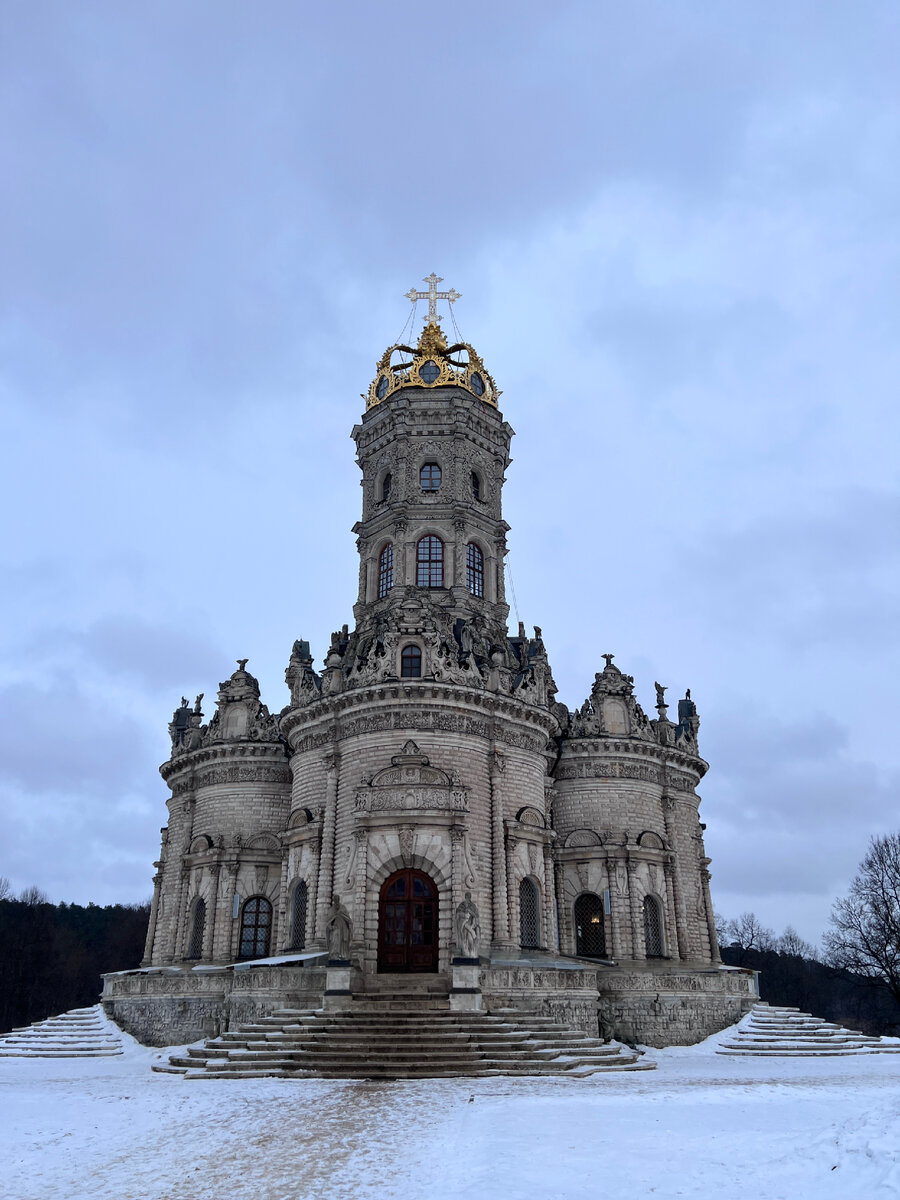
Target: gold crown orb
432, 363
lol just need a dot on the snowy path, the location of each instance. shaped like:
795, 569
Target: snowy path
700, 1125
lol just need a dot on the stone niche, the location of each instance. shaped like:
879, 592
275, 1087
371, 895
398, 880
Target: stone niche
411, 784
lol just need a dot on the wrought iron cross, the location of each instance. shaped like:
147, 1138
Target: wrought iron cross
432, 296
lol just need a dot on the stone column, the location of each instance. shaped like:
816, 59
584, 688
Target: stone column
179, 948
498, 852
551, 926
225, 950
312, 914
673, 942
673, 876
710, 915
359, 883
283, 920
326, 860
457, 891
620, 908
512, 891
151, 927
562, 916
637, 933
676, 916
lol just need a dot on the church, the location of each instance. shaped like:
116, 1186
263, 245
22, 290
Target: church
424, 812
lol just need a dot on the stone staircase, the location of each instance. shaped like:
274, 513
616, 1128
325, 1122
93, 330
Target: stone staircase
388, 1036
80, 1033
779, 1032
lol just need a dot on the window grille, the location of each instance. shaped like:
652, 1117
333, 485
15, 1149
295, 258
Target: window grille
475, 569
256, 927
298, 916
430, 477
528, 915
590, 936
386, 487
411, 663
198, 927
430, 562
385, 570
653, 939
476, 487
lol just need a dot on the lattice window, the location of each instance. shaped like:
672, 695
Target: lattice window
653, 937
590, 936
385, 570
386, 487
430, 477
411, 663
474, 569
528, 916
430, 562
256, 927
298, 916
198, 928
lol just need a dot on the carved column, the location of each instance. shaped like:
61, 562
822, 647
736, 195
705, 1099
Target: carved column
620, 906
710, 915
498, 851
151, 927
179, 948
459, 553
283, 921
212, 912
326, 861
312, 918
637, 935
562, 916
673, 876
673, 936
225, 950
550, 923
512, 891
358, 879
457, 891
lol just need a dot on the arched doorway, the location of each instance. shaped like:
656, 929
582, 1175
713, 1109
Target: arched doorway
408, 923
590, 939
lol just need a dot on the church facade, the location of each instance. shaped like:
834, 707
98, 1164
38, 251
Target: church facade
427, 770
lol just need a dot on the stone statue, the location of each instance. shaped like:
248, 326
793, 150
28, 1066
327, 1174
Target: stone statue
467, 928
660, 695
338, 928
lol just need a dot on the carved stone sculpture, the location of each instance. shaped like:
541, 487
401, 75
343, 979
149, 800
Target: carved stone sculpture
467, 927
338, 929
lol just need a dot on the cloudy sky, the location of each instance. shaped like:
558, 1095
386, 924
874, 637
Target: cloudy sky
675, 229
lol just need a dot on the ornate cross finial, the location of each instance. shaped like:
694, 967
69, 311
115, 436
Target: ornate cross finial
432, 296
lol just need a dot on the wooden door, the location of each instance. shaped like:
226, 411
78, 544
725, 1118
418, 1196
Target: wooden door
408, 923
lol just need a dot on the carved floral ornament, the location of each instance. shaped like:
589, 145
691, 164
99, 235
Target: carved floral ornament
411, 784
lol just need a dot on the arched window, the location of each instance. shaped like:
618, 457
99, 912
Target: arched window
474, 569
385, 570
653, 937
386, 487
256, 928
298, 916
476, 486
430, 477
430, 562
411, 663
590, 938
198, 928
528, 915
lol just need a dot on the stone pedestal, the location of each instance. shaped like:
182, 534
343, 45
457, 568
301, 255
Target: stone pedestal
465, 989
337, 984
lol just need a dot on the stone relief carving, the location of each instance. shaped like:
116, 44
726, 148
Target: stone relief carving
467, 927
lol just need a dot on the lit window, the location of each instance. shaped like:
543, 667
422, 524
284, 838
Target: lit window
590, 937
411, 663
385, 570
430, 477
474, 569
430, 562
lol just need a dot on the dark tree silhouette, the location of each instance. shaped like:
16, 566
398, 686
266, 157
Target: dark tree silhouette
865, 925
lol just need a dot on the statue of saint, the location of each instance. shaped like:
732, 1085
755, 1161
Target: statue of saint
338, 928
468, 928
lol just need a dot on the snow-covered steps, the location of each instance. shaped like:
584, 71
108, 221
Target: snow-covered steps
80, 1033
778, 1032
375, 1041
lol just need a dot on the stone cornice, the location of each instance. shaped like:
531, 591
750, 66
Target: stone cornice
192, 760
593, 747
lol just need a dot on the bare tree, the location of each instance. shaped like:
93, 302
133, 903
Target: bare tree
747, 932
865, 925
5, 889
33, 896
794, 946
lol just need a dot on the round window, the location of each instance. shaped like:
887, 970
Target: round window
382, 387
429, 371
477, 384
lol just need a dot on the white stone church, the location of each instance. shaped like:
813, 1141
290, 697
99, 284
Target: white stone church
427, 760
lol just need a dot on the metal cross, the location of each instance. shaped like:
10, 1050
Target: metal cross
432, 296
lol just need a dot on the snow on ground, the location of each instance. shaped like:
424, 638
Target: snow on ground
700, 1125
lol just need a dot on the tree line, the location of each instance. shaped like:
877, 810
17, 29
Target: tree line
52, 955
